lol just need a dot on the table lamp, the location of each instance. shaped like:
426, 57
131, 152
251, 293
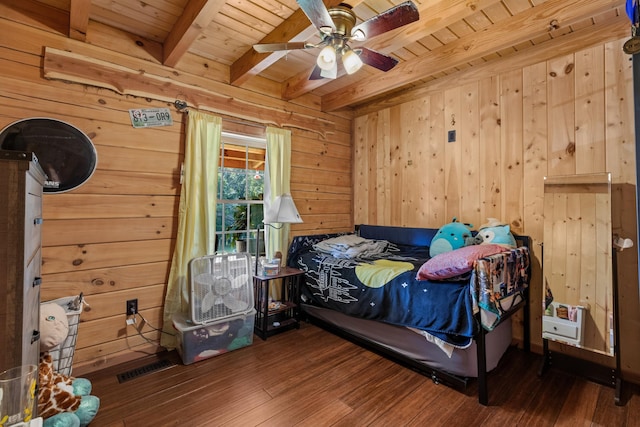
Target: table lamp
282, 211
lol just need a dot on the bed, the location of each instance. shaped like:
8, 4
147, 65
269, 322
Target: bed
453, 330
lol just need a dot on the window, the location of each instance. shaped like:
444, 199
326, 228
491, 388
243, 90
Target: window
240, 190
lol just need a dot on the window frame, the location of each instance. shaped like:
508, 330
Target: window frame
223, 232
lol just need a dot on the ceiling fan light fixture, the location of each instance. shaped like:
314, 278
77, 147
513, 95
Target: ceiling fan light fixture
327, 58
351, 61
337, 28
358, 35
331, 73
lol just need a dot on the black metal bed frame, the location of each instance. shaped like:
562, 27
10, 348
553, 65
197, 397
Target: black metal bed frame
440, 376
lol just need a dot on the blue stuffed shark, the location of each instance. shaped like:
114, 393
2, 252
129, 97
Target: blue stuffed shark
449, 237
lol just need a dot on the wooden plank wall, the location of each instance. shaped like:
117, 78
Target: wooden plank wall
557, 116
112, 238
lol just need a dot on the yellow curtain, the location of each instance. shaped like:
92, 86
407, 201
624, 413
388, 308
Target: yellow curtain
197, 212
278, 175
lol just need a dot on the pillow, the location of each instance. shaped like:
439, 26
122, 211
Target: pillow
351, 246
341, 242
457, 262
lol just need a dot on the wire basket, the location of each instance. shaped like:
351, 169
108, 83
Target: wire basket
221, 287
62, 354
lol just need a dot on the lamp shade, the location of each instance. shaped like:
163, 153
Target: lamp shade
351, 61
327, 58
282, 210
331, 73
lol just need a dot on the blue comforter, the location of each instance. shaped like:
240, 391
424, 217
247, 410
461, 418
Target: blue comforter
384, 288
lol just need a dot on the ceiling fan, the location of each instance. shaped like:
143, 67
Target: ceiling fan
337, 28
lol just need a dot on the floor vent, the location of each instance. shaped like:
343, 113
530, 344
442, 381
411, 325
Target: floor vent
144, 370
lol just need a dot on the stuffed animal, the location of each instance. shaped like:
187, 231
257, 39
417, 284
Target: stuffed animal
63, 401
54, 326
449, 237
498, 233
473, 240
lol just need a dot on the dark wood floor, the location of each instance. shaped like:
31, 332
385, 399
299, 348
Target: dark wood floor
309, 377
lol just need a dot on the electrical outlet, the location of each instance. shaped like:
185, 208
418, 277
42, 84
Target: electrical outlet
132, 307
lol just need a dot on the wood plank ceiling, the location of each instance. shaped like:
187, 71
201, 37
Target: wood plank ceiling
451, 35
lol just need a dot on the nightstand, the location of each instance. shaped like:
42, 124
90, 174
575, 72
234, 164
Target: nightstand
284, 314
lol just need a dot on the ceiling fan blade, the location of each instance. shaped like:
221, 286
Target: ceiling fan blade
402, 14
376, 59
318, 14
274, 47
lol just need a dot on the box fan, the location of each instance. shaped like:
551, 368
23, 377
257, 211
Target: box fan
221, 286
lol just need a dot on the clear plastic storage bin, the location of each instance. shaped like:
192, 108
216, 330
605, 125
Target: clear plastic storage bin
199, 342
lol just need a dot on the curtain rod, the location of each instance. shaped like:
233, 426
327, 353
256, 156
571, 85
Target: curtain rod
183, 107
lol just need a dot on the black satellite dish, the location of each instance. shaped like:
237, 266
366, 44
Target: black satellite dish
64, 152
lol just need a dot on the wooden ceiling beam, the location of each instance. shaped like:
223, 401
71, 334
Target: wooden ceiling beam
519, 28
296, 28
602, 31
434, 16
79, 19
197, 15
36, 14
252, 63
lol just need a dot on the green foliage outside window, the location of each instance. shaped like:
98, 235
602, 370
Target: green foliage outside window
240, 208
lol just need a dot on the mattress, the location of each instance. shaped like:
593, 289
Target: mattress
463, 362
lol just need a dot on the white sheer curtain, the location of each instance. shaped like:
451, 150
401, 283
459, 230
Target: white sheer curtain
197, 212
